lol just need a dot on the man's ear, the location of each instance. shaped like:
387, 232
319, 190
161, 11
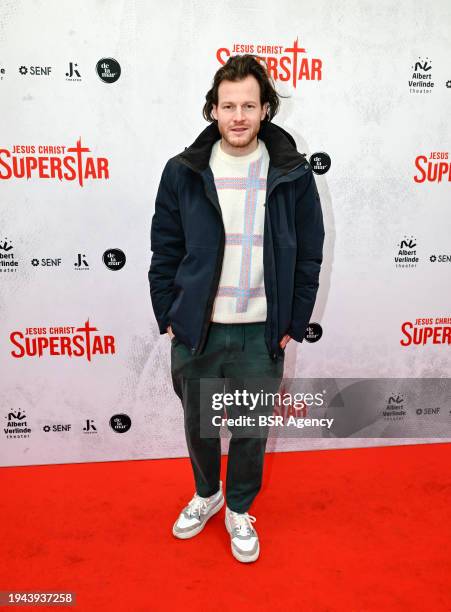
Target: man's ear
214, 113
265, 108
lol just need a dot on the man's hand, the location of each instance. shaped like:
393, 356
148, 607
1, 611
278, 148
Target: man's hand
170, 332
285, 340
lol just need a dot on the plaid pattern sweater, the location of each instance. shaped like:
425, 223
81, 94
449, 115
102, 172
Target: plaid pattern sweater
241, 186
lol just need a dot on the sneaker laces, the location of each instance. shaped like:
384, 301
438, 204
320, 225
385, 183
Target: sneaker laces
242, 522
197, 505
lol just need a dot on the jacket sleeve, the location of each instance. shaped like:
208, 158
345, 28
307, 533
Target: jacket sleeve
167, 245
310, 240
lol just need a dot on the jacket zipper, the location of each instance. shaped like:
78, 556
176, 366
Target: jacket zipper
279, 180
214, 286
216, 276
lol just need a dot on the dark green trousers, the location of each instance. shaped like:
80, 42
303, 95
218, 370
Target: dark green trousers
236, 352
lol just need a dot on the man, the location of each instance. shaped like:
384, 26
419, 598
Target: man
237, 240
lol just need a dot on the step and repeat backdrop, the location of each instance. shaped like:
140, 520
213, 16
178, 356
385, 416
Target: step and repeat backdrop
96, 96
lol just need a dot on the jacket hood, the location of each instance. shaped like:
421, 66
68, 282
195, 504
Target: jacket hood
280, 144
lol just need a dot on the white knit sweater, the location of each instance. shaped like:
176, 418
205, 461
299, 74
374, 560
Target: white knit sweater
241, 186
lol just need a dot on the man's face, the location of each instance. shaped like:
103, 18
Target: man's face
239, 114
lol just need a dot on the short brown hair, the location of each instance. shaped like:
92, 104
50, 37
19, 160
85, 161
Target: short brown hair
237, 68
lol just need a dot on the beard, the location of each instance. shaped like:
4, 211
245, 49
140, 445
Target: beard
239, 141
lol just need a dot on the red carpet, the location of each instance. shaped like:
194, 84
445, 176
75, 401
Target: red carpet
352, 530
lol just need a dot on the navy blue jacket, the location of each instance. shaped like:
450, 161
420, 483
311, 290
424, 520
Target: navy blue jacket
188, 237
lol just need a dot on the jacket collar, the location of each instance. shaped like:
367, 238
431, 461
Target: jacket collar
280, 144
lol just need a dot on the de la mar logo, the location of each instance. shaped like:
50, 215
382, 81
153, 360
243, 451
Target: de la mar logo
68, 341
283, 62
65, 163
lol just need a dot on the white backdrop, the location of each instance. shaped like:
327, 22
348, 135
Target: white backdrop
362, 113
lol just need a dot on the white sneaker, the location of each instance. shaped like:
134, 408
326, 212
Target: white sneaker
243, 537
195, 515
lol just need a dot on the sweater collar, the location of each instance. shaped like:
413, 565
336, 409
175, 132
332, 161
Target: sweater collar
280, 144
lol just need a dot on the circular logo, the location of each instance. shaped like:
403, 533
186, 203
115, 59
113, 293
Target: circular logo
114, 259
108, 70
320, 162
313, 332
419, 411
120, 423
